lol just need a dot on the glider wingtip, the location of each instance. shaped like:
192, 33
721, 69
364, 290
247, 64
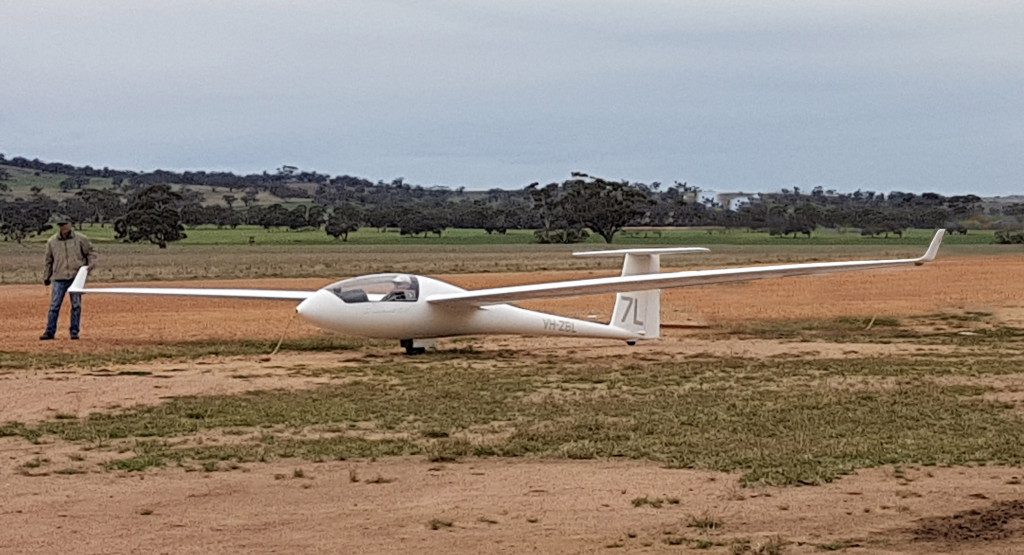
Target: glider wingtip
933, 248
78, 285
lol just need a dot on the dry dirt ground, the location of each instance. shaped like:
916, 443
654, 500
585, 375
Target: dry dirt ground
508, 506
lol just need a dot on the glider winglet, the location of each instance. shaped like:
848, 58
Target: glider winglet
78, 285
933, 248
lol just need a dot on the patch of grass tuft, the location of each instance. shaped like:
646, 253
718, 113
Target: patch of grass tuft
656, 502
69, 471
704, 522
136, 464
17, 360
437, 524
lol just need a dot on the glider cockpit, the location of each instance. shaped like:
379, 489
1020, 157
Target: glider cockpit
377, 288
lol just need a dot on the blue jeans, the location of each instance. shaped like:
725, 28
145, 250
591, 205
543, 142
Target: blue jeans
60, 288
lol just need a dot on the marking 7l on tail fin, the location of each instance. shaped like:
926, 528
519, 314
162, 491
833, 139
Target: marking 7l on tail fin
638, 312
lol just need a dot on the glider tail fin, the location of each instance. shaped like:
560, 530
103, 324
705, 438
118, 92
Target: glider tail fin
639, 311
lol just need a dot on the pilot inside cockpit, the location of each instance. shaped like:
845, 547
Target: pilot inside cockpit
403, 289
377, 288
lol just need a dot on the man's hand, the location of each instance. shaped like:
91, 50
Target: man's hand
46, 282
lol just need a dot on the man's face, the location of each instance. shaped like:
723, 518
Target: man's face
65, 228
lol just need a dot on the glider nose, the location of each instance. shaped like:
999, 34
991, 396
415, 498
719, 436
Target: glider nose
315, 307
324, 310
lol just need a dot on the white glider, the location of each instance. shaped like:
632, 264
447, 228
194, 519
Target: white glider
418, 309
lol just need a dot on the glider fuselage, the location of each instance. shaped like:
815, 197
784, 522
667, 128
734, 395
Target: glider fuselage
341, 308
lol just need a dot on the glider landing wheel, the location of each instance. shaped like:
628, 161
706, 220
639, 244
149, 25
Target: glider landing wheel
411, 348
631, 342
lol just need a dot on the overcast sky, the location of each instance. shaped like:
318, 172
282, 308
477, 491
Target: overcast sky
908, 95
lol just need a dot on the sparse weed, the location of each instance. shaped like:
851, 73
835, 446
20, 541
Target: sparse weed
35, 463
772, 546
438, 523
837, 546
656, 502
69, 471
434, 434
137, 464
645, 501
740, 546
704, 522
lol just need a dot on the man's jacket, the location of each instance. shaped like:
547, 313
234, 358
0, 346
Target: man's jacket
64, 256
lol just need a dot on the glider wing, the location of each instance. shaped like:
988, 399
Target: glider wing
644, 282
78, 286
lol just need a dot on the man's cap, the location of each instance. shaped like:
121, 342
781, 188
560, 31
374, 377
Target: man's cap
63, 219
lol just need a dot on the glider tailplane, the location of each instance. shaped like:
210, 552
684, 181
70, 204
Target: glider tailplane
639, 311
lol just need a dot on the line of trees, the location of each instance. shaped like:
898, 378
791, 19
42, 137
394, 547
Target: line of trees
144, 206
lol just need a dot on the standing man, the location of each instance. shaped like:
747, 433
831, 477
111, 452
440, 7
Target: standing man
66, 252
